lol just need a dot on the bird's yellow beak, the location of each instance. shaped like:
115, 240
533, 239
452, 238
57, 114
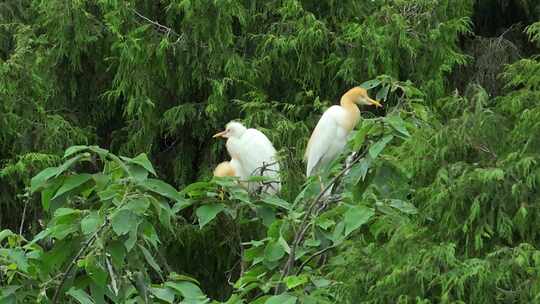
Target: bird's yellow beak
374, 103
220, 134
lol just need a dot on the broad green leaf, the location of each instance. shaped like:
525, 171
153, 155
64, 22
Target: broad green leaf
284, 244
65, 211
91, 222
80, 295
188, 290
267, 214
42, 177
150, 259
150, 234
96, 271
68, 163
124, 221
281, 299
383, 93
403, 206
276, 201
325, 223
173, 276
162, 188
16, 256
139, 173
398, 124
100, 151
379, 146
206, 213
355, 217
5, 233
74, 149
295, 281
138, 205
274, 251
132, 238
370, 84
117, 252
62, 230
49, 191
164, 294
72, 182
143, 161
41, 235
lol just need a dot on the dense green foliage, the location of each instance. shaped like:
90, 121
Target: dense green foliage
441, 205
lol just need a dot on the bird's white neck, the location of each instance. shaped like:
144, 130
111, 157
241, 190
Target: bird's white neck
353, 113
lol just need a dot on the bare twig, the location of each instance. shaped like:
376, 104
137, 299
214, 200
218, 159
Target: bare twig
111, 273
26, 200
160, 27
299, 236
76, 259
311, 257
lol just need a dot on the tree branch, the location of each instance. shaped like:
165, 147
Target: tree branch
76, 259
299, 236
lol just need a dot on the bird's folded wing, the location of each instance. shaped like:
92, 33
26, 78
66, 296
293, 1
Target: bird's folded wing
256, 151
321, 140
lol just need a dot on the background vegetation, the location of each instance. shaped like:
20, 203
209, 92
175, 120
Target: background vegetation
441, 206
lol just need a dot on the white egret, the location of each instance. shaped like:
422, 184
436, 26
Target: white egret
330, 135
255, 155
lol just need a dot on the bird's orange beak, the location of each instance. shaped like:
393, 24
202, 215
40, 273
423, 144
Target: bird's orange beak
374, 103
220, 134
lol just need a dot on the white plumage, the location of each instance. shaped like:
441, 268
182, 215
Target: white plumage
330, 135
254, 153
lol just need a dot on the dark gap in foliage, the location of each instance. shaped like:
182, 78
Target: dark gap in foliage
498, 40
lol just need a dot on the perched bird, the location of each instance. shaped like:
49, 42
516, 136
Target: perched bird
330, 135
227, 168
255, 155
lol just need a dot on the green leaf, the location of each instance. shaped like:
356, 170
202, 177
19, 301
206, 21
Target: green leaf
138, 205
162, 188
284, 244
379, 146
206, 213
398, 124
139, 173
150, 259
370, 84
383, 93
17, 256
72, 182
49, 192
188, 290
65, 211
5, 233
74, 149
281, 299
295, 281
41, 178
274, 251
95, 271
143, 161
403, 206
124, 221
91, 222
132, 238
68, 163
164, 294
355, 217
80, 295
276, 201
